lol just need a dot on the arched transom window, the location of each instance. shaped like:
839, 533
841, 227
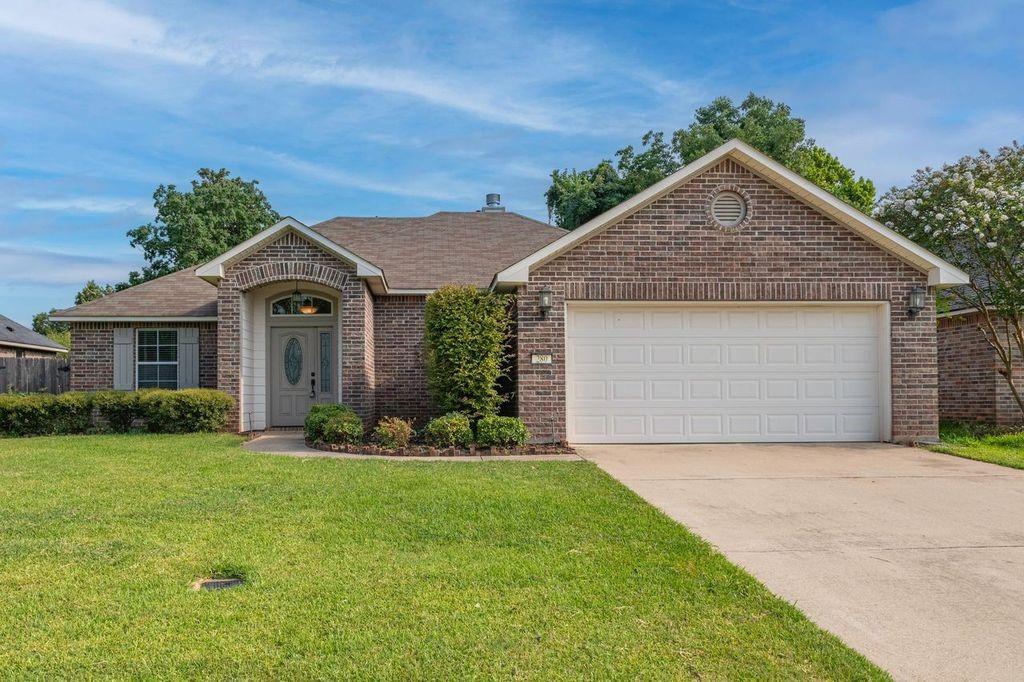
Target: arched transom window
309, 305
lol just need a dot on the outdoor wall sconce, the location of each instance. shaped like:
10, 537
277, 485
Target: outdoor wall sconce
546, 302
916, 303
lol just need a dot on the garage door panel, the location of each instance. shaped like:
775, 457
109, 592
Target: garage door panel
663, 374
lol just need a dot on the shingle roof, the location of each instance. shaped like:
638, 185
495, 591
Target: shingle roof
12, 333
414, 253
443, 248
179, 294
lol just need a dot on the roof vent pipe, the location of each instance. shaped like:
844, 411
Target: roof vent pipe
493, 204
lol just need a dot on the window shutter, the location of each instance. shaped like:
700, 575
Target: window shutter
188, 357
124, 370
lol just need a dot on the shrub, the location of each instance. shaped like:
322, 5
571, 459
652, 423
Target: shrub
71, 412
118, 408
343, 428
393, 432
26, 414
501, 431
466, 342
448, 430
317, 418
184, 411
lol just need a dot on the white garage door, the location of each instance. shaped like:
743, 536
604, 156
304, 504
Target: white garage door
667, 374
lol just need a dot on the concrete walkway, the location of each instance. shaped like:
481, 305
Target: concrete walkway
294, 444
913, 558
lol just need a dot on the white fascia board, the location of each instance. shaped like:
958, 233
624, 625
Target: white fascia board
214, 270
940, 273
32, 346
131, 318
957, 313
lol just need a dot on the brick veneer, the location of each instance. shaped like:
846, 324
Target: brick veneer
291, 257
92, 352
970, 386
401, 371
668, 251
15, 352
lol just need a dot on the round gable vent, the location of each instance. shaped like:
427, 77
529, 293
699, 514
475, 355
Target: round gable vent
728, 209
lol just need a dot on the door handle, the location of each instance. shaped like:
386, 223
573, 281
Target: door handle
312, 384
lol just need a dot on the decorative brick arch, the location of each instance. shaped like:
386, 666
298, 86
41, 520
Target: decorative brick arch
281, 271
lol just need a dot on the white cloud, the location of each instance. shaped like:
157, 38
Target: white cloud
22, 264
85, 205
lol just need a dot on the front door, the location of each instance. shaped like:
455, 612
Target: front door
295, 365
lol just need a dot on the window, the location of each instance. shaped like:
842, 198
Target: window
325, 362
156, 358
286, 306
728, 209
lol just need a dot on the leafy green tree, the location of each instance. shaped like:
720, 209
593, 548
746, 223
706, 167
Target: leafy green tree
92, 291
971, 213
576, 196
192, 227
55, 331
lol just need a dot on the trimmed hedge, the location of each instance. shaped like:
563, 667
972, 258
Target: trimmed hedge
393, 432
184, 411
501, 431
333, 423
448, 430
466, 337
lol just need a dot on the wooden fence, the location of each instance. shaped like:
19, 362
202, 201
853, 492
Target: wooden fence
31, 375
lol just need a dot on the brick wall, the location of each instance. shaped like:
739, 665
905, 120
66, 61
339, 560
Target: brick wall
401, 371
15, 352
668, 251
291, 257
92, 352
971, 389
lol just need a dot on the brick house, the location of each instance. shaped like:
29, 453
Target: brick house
971, 388
18, 341
733, 301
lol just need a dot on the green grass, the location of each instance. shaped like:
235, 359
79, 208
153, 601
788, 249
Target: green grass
366, 569
975, 442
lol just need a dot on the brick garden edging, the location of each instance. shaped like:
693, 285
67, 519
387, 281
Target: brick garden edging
430, 451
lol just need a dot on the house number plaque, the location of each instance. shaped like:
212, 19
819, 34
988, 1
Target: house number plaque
540, 359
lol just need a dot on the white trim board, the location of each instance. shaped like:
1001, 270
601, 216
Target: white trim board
940, 273
30, 346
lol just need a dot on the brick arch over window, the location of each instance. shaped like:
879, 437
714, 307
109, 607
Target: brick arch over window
283, 271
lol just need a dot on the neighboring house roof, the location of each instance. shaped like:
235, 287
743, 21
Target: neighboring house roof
19, 336
179, 295
940, 273
443, 248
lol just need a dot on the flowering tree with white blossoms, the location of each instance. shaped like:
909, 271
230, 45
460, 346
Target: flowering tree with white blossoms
971, 213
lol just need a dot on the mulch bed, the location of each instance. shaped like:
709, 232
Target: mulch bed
430, 451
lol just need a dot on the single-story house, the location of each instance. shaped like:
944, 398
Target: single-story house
18, 341
971, 387
732, 301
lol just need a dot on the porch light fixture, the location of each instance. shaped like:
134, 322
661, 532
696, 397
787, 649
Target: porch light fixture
916, 303
296, 296
546, 302
307, 307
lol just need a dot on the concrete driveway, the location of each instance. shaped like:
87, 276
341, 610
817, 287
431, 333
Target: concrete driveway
913, 558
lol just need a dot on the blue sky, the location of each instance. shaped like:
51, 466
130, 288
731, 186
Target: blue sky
380, 108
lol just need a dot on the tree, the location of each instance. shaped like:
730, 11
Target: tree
575, 197
92, 291
55, 331
192, 227
971, 213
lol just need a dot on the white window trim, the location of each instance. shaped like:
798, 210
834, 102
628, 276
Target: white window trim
155, 362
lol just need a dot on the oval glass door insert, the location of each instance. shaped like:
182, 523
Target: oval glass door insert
293, 361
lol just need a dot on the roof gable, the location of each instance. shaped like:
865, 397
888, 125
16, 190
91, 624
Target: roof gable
213, 271
940, 272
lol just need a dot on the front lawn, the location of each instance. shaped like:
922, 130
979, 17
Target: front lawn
366, 569
1006, 449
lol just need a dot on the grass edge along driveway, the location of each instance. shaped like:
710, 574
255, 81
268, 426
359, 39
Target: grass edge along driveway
1005, 449
367, 569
